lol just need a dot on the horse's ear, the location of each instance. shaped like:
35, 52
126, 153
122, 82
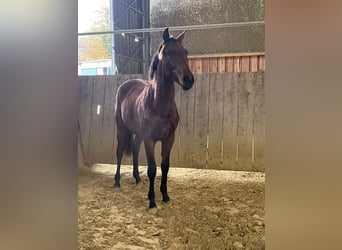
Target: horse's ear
180, 37
166, 35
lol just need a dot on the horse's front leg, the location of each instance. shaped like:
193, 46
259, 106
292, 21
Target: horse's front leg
165, 164
151, 170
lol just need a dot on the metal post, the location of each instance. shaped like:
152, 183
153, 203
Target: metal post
146, 40
114, 68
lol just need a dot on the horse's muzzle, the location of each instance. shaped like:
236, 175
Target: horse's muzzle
188, 82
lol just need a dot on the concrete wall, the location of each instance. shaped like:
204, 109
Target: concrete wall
166, 13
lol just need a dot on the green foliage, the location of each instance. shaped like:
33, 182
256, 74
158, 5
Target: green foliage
96, 47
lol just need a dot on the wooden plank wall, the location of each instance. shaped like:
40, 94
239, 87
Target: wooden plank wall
222, 120
219, 63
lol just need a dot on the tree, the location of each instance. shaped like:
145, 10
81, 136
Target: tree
96, 47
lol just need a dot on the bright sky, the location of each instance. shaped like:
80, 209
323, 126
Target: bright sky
85, 12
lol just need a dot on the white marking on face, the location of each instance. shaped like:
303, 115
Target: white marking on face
160, 55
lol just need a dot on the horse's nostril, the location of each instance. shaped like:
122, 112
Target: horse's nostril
192, 79
187, 79
188, 82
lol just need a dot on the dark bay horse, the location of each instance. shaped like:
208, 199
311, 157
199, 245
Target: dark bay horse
146, 111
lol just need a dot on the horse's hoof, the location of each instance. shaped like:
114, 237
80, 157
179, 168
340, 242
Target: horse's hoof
116, 185
167, 202
166, 198
152, 205
153, 210
139, 186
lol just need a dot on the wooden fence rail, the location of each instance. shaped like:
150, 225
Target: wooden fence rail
222, 121
219, 63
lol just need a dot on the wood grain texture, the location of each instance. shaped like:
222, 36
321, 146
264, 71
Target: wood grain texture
245, 120
259, 121
237, 64
230, 120
222, 121
201, 122
108, 123
186, 126
95, 144
85, 88
215, 121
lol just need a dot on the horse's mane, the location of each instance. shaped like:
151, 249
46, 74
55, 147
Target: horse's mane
153, 65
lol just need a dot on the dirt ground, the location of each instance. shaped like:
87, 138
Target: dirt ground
209, 209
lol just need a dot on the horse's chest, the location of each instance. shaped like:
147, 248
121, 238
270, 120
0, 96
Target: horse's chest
162, 130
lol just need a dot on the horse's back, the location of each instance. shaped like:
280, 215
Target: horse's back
134, 86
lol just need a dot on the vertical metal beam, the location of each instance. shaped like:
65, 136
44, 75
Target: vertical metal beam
114, 68
140, 19
146, 39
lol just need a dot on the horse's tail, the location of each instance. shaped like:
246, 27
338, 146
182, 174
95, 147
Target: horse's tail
128, 142
128, 136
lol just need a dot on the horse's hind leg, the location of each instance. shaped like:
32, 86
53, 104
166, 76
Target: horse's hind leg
136, 148
119, 153
151, 170
165, 164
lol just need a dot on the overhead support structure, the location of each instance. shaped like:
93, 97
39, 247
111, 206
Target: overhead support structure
130, 49
179, 28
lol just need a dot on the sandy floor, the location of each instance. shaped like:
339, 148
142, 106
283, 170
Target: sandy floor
209, 209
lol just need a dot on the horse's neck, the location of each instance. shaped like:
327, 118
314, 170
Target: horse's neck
164, 92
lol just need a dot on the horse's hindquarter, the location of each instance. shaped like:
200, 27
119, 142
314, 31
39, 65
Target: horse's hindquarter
127, 96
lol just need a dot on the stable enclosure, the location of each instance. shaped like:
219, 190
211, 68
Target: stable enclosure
216, 180
222, 119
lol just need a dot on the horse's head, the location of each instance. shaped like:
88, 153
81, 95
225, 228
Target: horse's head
174, 60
